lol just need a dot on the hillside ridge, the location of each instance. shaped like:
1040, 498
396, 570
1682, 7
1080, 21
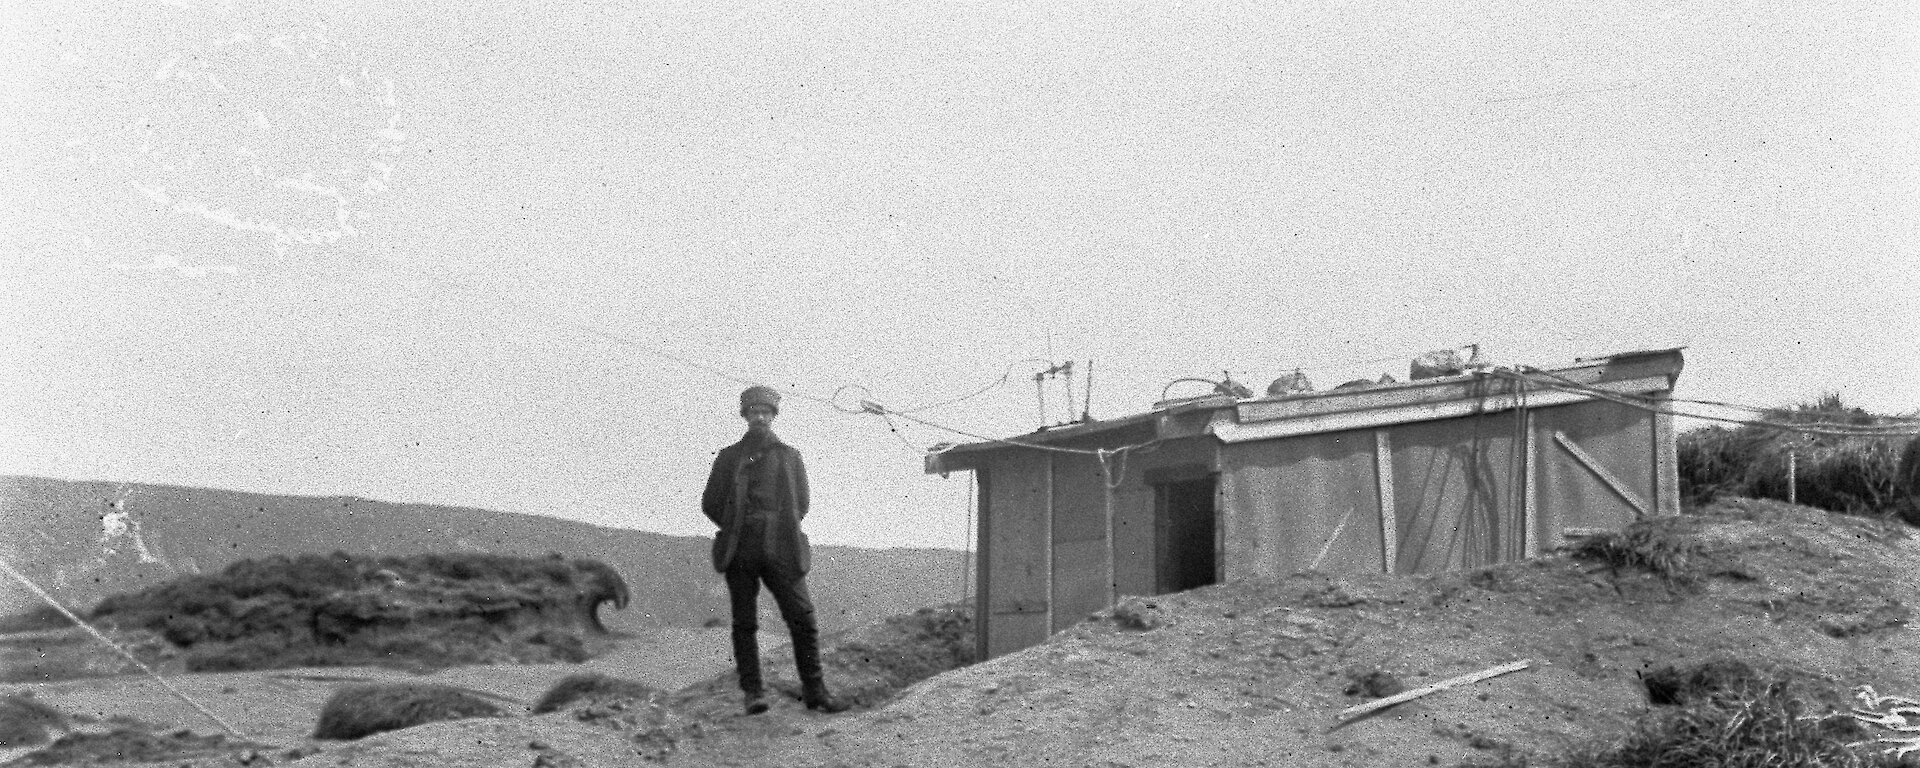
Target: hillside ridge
83, 540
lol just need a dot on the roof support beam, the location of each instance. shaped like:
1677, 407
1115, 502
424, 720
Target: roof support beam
1423, 411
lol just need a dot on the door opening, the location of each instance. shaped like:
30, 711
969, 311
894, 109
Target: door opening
1185, 512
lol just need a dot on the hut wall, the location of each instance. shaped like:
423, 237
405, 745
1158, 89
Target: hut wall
1284, 501
1620, 441
1458, 486
1079, 539
1016, 491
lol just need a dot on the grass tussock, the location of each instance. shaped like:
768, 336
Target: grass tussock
592, 688
417, 612
358, 711
1875, 476
132, 745
1774, 724
1663, 546
25, 722
1727, 713
33, 619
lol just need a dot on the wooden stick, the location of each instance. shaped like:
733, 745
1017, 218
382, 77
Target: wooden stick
1405, 696
1335, 536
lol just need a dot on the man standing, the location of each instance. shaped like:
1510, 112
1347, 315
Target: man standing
757, 495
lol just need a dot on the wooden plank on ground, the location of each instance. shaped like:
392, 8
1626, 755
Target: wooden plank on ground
1452, 682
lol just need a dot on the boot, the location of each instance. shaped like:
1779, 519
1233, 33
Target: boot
746, 659
806, 661
814, 692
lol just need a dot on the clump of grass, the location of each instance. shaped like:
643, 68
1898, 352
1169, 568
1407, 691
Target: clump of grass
1139, 613
358, 711
1693, 683
592, 687
1775, 724
41, 617
419, 611
1855, 475
1663, 545
133, 745
25, 722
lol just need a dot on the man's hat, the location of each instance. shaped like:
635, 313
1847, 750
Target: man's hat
760, 395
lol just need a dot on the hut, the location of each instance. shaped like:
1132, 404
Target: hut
1441, 473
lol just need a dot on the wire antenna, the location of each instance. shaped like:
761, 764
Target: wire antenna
1055, 371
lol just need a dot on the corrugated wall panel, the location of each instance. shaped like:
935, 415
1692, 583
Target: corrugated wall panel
1017, 559
1134, 535
1289, 500
1457, 486
1249, 516
1620, 439
1079, 539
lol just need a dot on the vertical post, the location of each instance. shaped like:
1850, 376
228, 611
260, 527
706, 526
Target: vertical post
1793, 478
1106, 492
1666, 462
982, 569
1389, 523
1040, 395
1052, 583
1529, 502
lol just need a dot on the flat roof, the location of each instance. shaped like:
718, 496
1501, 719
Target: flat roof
1232, 420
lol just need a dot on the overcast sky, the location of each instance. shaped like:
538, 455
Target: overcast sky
463, 253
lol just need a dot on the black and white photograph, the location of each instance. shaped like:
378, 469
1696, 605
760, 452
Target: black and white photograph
864, 384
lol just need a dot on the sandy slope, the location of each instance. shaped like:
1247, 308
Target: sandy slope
280, 707
1254, 673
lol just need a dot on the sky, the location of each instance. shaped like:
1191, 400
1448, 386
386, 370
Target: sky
523, 256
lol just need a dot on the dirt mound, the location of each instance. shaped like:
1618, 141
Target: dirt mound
864, 666
1257, 672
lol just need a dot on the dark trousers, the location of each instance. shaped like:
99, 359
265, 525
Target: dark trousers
749, 569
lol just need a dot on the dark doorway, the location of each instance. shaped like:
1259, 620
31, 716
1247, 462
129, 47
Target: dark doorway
1184, 510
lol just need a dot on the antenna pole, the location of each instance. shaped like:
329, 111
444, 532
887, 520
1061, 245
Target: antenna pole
1086, 409
1067, 368
1040, 395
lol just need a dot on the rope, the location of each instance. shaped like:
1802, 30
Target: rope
35, 588
976, 393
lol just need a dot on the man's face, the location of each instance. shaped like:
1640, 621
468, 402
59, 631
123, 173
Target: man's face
758, 416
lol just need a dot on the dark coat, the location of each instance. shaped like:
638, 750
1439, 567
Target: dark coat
724, 502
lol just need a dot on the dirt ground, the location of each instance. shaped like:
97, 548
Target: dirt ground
1245, 673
